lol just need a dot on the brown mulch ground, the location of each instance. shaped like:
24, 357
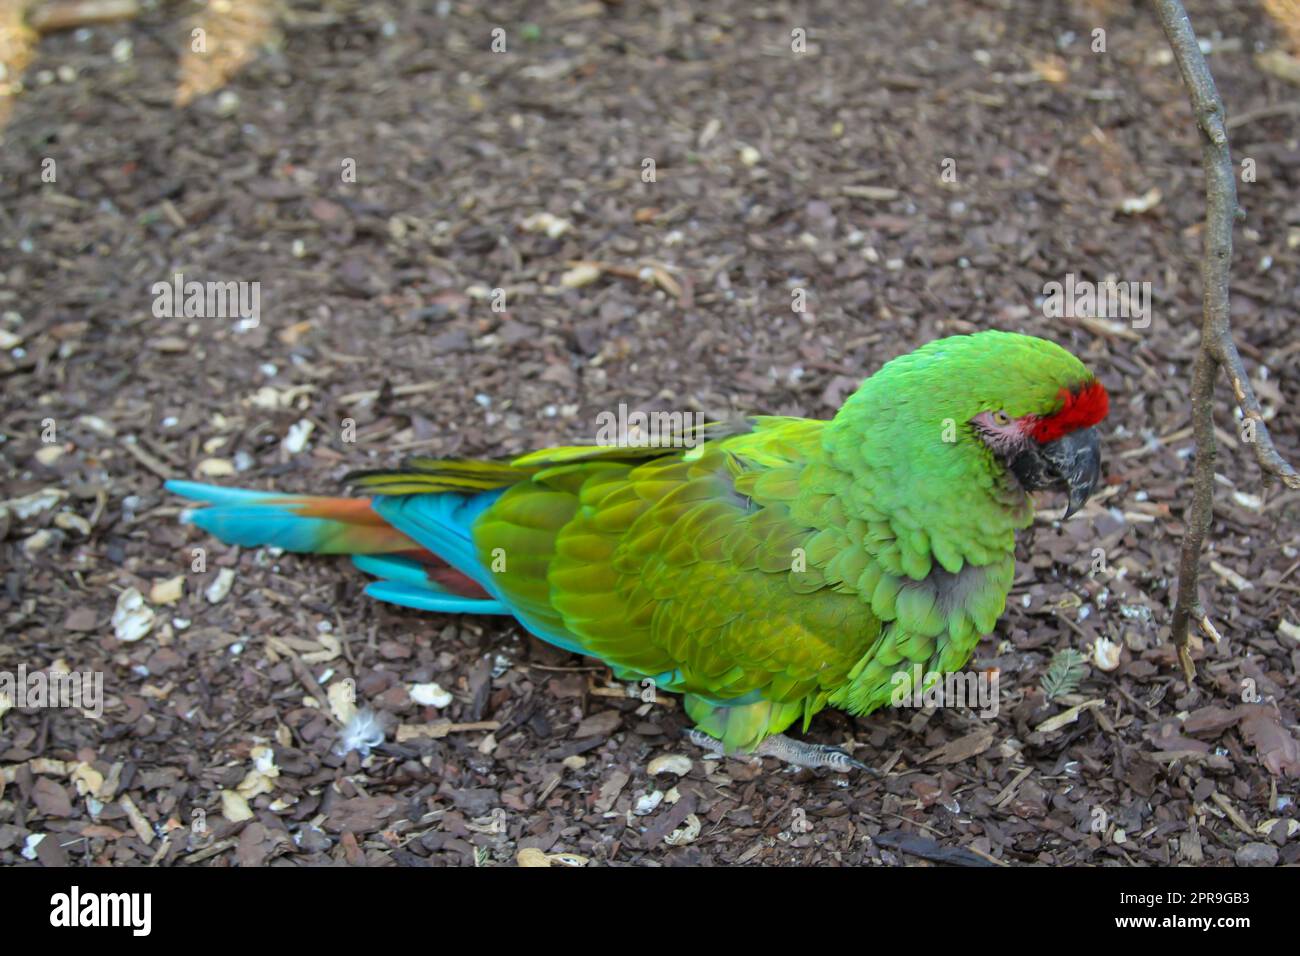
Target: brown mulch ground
775, 171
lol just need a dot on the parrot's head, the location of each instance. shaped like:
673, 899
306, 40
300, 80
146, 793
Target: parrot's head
1056, 448
1022, 406
1033, 406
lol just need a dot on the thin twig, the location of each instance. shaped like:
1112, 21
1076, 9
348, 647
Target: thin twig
1264, 112
1217, 347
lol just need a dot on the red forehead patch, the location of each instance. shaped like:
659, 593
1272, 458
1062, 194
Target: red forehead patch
1081, 409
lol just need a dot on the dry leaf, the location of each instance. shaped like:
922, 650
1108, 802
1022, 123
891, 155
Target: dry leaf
1287, 15
1273, 743
685, 834
1067, 716
1280, 64
963, 748
231, 34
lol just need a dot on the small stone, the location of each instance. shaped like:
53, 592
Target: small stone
227, 103
97, 425
31, 505
647, 803
1257, 854
599, 725
49, 454
1247, 500
81, 620
30, 844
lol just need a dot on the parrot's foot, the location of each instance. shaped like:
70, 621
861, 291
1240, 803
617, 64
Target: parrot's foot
803, 754
796, 752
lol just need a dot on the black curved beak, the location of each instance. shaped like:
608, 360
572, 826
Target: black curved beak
1076, 458
1071, 463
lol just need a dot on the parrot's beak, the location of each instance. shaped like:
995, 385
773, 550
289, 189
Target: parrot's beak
1071, 463
1076, 459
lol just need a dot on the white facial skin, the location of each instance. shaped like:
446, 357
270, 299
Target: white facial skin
1003, 434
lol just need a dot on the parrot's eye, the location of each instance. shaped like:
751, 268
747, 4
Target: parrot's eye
1001, 418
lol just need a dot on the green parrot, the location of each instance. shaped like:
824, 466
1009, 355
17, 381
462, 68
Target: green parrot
764, 572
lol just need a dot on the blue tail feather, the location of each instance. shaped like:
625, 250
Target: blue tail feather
407, 583
264, 526
427, 599
394, 568
215, 494
249, 519
442, 523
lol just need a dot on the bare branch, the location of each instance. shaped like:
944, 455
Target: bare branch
1266, 453
1217, 346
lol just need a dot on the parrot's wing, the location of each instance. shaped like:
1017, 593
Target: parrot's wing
687, 568
424, 475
